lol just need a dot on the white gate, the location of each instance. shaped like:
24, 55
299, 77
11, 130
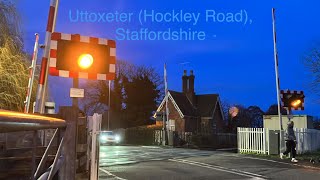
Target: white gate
94, 127
253, 140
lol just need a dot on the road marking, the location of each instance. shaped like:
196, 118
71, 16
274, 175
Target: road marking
236, 170
151, 147
110, 174
157, 159
269, 160
220, 168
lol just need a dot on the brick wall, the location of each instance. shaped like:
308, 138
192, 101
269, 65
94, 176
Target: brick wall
174, 115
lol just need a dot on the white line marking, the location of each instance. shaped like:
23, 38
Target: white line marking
269, 160
110, 174
220, 168
151, 147
228, 169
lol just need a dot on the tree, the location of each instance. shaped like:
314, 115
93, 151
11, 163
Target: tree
227, 125
97, 92
13, 61
256, 116
243, 118
96, 97
273, 110
142, 95
316, 122
135, 94
312, 63
246, 117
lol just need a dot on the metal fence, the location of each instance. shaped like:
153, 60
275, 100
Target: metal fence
308, 140
145, 136
226, 140
17, 122
256, 140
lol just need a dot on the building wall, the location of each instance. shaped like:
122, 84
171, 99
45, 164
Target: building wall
192, 124
174, 115
300, 121
218, 119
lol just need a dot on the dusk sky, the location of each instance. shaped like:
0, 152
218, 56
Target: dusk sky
234, 59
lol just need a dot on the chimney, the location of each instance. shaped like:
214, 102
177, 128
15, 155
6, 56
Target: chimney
185, 82
190, 93
191, 82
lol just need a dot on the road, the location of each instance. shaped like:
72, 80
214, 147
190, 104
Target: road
145, 162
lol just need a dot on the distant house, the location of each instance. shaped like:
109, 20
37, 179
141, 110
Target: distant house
189, 112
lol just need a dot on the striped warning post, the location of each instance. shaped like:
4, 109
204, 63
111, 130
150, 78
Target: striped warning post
44, 64
85, 75
32, 70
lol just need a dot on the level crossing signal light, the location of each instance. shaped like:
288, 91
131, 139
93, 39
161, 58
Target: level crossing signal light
76, 56
293, 100
85, 61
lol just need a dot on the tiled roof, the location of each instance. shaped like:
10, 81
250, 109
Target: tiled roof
183, 103
204, 104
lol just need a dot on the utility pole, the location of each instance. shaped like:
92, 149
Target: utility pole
75, 83
289, 113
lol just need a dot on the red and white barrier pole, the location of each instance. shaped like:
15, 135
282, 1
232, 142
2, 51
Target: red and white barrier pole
276, 64
32, 69
42, 87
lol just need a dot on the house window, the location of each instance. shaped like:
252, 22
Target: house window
205, 126
171, 125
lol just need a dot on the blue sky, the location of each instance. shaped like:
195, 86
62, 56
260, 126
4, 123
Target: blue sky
234, 60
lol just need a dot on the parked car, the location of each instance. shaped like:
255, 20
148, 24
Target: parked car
108, 137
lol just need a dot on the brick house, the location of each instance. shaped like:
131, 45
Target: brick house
190, 112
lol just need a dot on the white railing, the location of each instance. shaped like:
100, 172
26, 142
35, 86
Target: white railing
253, 140
256, 140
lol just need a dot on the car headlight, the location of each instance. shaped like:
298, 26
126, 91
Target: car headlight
103, 138
117, 138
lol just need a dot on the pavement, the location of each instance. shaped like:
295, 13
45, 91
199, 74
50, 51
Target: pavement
149, 162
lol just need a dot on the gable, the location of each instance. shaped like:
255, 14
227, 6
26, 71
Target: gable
170, 98
206, 104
